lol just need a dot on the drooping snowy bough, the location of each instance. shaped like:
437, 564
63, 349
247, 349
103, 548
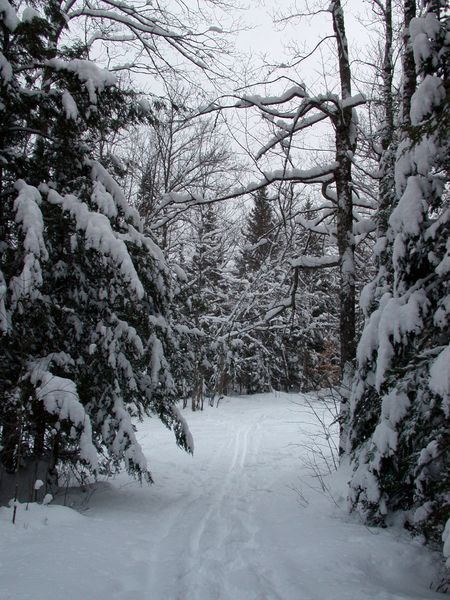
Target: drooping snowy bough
400, 405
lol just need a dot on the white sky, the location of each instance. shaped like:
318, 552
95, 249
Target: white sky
276, 42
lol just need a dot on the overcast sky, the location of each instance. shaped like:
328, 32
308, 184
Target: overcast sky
275, 41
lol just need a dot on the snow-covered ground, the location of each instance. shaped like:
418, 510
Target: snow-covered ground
240, 520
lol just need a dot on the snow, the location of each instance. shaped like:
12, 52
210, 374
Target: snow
101, 176
243, 519
60, 398
429, 94
409, 212
315, 262
8, 15
446, 540
29, 217
422, 30
6, 71
296, 91
29, 14
94, 78
3, 315
70, 107
398, 317
100, 236
440, 377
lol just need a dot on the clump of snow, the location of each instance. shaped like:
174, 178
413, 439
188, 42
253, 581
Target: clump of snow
6, 71
69, 105
385, 439
409, 212
313, 262
440, 377
429, 453
4, 326
444, 266
8, 15
29, 14
429, 94
398, 317
29, 217
100, 236
94, 78
442, 315
184, 425
422, 31
104, 200
446, 540
60, 398
100, 174
395, 406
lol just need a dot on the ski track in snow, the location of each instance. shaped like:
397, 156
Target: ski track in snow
224, 525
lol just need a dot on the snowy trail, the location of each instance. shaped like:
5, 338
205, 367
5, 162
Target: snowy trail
227, 524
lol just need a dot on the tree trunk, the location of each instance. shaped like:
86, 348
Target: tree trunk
409, 65
386, 196
345, 146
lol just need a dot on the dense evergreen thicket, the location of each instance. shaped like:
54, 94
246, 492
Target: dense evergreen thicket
83, 290
399, 436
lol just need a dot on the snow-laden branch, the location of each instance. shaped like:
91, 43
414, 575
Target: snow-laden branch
59, 397
315, 262
185, 200
144, 26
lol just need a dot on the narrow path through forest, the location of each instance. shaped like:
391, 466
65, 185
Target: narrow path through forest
241, 520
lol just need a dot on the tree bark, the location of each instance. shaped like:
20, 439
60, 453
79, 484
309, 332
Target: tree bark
345, 146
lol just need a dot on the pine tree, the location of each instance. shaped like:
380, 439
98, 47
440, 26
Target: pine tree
401, 395
83, 291
200, 305
259, 235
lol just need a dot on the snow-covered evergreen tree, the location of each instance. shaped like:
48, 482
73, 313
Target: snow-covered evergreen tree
83, 291
401, 396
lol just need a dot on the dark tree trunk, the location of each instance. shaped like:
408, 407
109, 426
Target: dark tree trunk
387, 185
345, 147
409, 65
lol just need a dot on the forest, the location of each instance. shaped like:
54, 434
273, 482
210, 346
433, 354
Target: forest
181, 223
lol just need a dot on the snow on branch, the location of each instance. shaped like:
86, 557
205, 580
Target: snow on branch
124, 437
181, 424
297, 91
8, 15
59, 397
109, 195
327, 106
313, 175
316, 226
100, 236
145, 25
315, 262
4, 325
94, 78
29, 218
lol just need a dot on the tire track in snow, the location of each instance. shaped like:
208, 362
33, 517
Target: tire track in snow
213, 528
223, 545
